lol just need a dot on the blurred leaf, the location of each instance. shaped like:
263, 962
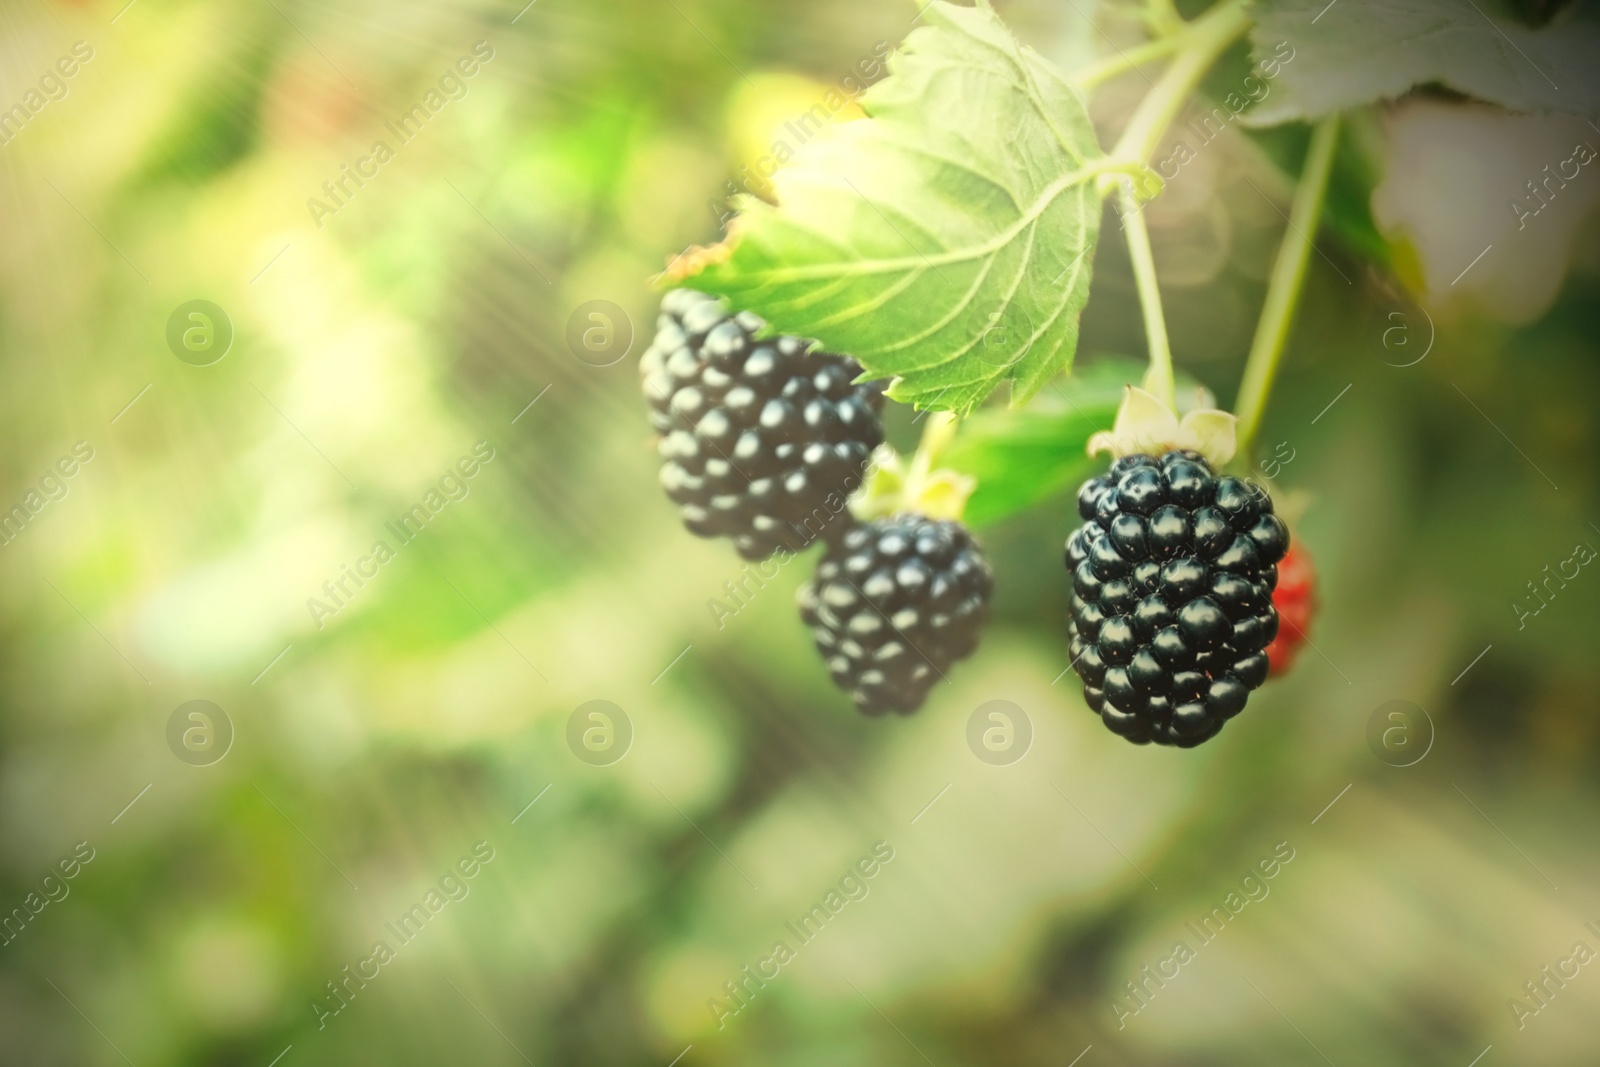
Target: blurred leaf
218, 124
946, 239
1361, 51
1022, 457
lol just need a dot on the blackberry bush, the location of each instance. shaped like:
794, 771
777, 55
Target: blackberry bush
894, 604
761, 440
1172, 573
884, 244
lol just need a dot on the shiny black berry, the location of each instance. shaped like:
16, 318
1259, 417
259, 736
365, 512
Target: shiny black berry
762, 441
894, 604
1172, 579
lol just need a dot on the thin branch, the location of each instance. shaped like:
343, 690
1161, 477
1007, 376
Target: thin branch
1159, 380
1199, 45
1284, 288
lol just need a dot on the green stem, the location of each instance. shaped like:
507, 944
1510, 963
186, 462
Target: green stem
1159, 379
1288, 278
1162, 16
936, 437
1109, 67
1199, 44
920, 486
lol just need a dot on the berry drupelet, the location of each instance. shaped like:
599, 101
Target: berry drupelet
761, 440
894, 604
1172, 575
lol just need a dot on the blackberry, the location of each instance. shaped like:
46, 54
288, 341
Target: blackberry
894, 604
1172, 580
762, 440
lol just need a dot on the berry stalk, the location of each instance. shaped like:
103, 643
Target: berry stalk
1158, 380
936, 437
1284, 288
917, 485
1197, 45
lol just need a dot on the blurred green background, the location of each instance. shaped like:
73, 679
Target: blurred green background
371, 753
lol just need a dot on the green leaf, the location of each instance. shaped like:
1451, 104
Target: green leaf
1354, 52
1020, 458
945, 240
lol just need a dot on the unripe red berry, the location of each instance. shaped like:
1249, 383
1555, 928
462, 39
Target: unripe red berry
1296, 601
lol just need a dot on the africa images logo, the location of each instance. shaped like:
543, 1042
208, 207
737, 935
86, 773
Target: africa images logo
1252, 887
451, 86
852, 886
453, 886
451, 486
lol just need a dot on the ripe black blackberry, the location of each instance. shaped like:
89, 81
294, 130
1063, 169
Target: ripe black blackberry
894, 604
763, 440
1172, 577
